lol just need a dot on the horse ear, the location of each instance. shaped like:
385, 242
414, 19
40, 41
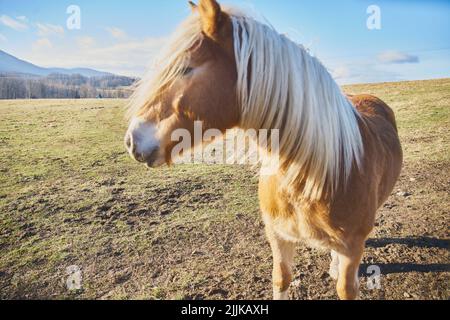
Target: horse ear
211, 16
193, 6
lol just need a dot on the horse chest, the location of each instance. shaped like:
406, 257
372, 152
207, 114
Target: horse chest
293, 221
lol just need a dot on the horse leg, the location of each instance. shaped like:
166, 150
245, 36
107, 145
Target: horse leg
348, 282
283, 255
334, 265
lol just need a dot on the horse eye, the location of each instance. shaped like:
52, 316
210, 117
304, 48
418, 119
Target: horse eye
187, 71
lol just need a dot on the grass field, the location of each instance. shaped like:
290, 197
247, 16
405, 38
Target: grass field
70, 195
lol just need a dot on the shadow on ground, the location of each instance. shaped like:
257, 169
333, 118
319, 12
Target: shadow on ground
419, 242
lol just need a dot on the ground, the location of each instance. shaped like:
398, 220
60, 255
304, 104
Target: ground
71, 196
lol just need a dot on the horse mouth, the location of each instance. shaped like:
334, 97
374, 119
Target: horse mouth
150, 165
151, 161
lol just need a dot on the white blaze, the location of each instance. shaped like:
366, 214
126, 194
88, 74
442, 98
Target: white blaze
143, 135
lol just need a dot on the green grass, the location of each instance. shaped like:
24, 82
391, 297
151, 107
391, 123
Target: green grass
422, 110
71, 195
66, 180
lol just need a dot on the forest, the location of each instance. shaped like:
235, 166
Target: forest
61, 86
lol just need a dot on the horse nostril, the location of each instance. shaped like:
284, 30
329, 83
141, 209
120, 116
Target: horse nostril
129, 143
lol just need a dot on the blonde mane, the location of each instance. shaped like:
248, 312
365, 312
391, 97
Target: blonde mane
279, 86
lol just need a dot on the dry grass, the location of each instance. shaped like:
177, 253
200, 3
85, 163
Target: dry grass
70, 196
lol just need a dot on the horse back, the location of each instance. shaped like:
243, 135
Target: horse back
370, 106
383, 155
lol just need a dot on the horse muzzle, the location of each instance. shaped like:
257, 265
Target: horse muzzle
149, 157
141, 144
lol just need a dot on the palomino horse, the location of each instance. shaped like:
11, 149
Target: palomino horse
340, 156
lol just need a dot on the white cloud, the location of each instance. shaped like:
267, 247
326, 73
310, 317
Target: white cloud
397, 57
86, 42
46, 29
3, 38
18, 25
363, 70
23, 19
116, 32
130, 58
42, 43
341, 72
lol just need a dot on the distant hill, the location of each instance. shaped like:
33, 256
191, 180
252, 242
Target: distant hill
20, 79
11, 64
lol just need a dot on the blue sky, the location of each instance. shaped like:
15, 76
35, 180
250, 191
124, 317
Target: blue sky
124, 36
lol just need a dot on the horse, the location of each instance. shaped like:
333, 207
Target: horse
340, 156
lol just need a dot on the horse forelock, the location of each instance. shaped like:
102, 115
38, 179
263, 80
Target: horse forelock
166, 67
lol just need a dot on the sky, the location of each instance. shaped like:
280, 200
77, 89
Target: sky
411, 43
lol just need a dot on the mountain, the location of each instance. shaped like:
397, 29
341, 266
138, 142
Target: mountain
20, 79
11, 64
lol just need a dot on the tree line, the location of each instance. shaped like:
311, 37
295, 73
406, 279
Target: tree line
61, 86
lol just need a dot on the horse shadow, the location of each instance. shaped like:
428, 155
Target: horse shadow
419, 242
